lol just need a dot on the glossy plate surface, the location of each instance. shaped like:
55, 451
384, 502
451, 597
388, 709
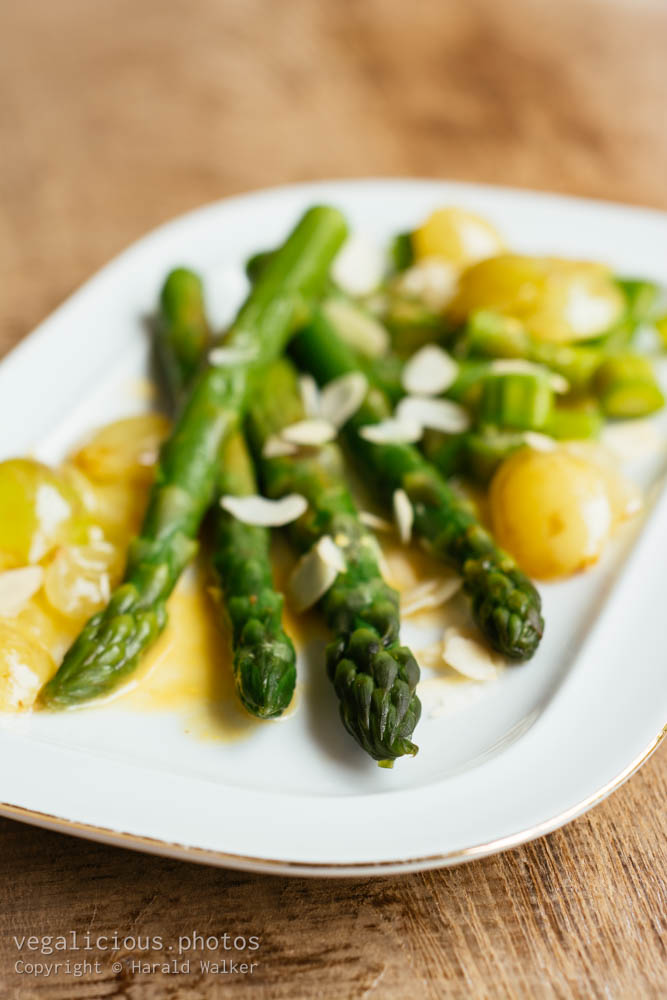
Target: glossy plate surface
529, 752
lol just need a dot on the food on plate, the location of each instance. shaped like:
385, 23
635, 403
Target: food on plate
477, 393
504, 602
373, 674
264, 658
551, 510
111, 643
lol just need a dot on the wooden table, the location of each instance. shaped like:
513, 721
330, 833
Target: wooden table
115, 117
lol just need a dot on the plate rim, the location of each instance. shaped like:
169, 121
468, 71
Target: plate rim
315, 869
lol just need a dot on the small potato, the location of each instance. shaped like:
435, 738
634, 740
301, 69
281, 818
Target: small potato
456, 236
551, 510
558, 300
125, 450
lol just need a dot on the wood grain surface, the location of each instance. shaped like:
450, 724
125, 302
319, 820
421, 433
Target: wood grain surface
115, 116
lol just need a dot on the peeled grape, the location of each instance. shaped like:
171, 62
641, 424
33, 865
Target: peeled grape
124, 450
38, 510
24, 667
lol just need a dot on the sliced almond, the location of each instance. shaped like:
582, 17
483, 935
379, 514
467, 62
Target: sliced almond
447, 696
309, 433
392, 431
315, 573
310, 395
437, 414
466, 654
540, 442
430, 657
404, 515
225, 356
266, 513
375, 522
357, 328
432, 280
277, 447
17, 586
429, 594
331, 553
359, 265
342, 397
429, 371
521, 366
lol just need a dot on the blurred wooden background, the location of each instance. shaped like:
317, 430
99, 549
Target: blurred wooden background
116, 116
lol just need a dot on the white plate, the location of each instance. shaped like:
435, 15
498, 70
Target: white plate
535, 749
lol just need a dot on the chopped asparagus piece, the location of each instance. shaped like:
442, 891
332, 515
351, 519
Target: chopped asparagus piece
575, 421
626, 387
516, 401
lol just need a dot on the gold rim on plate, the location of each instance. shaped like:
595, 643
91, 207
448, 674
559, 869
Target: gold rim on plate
222, 859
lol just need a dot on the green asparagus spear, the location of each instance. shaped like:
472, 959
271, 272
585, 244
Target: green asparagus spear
112, 642
401, 252
505, 604
182, 331
264, 657
373, 675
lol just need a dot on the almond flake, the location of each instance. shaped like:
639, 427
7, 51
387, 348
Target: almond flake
429, 372
520, 366
437, 414
432, 280
17, 586
392, 431
266, 513
342, 397
276, 447
315, 573
357, 328
404, 515
331, 553
359, 265
539, 442
430, 657
467, 655
310, 395
429, 594
374, 522
224, 356
309, 433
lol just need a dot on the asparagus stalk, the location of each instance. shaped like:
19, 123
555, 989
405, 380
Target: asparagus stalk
264, 660
182, 331
373, 675
110, 645
505, 604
